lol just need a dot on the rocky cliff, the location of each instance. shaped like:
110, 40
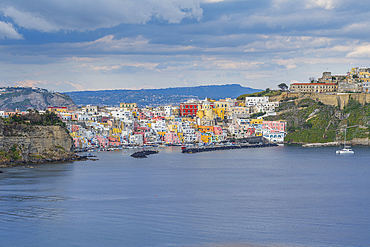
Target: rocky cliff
24, 98
25, 143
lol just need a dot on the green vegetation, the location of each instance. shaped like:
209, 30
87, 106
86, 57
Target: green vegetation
259, 114
34, 118
310, 121
21, 105
266, 92
15, 92
13, 154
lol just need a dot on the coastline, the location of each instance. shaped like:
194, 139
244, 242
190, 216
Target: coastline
41, 161
354, 142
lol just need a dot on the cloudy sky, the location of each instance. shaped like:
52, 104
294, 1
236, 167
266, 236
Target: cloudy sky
74, 45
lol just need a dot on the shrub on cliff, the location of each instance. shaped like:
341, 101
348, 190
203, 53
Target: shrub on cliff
34, 118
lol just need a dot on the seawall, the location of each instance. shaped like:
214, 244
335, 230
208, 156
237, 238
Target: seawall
218, 148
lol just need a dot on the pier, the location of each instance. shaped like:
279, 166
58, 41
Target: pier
226, 147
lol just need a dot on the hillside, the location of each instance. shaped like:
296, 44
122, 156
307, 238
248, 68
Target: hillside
24, 98
156, 97
309, 121
267, 92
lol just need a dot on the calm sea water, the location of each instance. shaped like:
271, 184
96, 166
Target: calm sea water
280, 196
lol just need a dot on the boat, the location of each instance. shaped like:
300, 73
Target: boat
346, 149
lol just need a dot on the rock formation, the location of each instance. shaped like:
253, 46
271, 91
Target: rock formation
22, 143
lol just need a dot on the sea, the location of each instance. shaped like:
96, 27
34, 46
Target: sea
259, 197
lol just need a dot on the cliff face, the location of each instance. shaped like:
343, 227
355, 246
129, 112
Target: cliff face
28, 98
21, 143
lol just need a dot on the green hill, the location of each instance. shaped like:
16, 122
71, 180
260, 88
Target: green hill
266, 92
309, 121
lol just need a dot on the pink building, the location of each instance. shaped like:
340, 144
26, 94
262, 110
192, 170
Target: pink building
76, 142
113, 141
75, 116
142, 115
103, 141
217, 130
275, 126
171, 138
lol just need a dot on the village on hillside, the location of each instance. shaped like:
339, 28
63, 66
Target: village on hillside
202, 122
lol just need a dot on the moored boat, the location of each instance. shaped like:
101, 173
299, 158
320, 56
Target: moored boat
346, 149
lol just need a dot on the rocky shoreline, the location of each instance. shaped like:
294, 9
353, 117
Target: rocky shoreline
354, 142
41, 161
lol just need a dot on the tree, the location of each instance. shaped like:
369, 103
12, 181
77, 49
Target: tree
312, 79
283, 86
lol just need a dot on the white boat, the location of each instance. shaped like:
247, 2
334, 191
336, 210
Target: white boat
346, 149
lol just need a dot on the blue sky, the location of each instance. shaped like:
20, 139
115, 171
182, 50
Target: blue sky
74, 45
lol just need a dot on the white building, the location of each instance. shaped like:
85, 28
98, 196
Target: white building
168, 110
136, 139
250, 101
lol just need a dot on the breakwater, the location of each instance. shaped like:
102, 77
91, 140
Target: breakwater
144, 153
218, 148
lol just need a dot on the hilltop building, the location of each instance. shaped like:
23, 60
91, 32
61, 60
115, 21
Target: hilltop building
305, 87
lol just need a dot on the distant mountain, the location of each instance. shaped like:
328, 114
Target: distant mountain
24, 98
156, 97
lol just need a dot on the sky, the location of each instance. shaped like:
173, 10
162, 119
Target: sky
74, 45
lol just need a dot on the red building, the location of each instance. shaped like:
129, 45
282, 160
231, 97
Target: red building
188, 109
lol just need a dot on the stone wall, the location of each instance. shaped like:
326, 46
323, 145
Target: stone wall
328, 99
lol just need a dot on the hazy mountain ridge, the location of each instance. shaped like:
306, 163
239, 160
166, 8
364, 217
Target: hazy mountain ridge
24, 98
155, 97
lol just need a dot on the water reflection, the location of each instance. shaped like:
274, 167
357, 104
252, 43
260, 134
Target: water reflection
30, 212
30, 193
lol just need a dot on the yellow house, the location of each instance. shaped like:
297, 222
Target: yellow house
172, 127
74, 134
116, 131
220, 111
205, 137
181, 136
256, 121
205, 129
176, 111
187, 119
169, 118
128, 105
161, 134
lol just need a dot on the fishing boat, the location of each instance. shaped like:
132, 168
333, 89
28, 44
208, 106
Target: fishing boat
345, 149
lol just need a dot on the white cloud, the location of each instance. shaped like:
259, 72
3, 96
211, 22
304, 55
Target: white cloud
325, 4
7, 31
360, 51
50, 84
83, 15
28, 20
293, 63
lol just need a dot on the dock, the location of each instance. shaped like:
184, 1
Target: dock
226, 147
